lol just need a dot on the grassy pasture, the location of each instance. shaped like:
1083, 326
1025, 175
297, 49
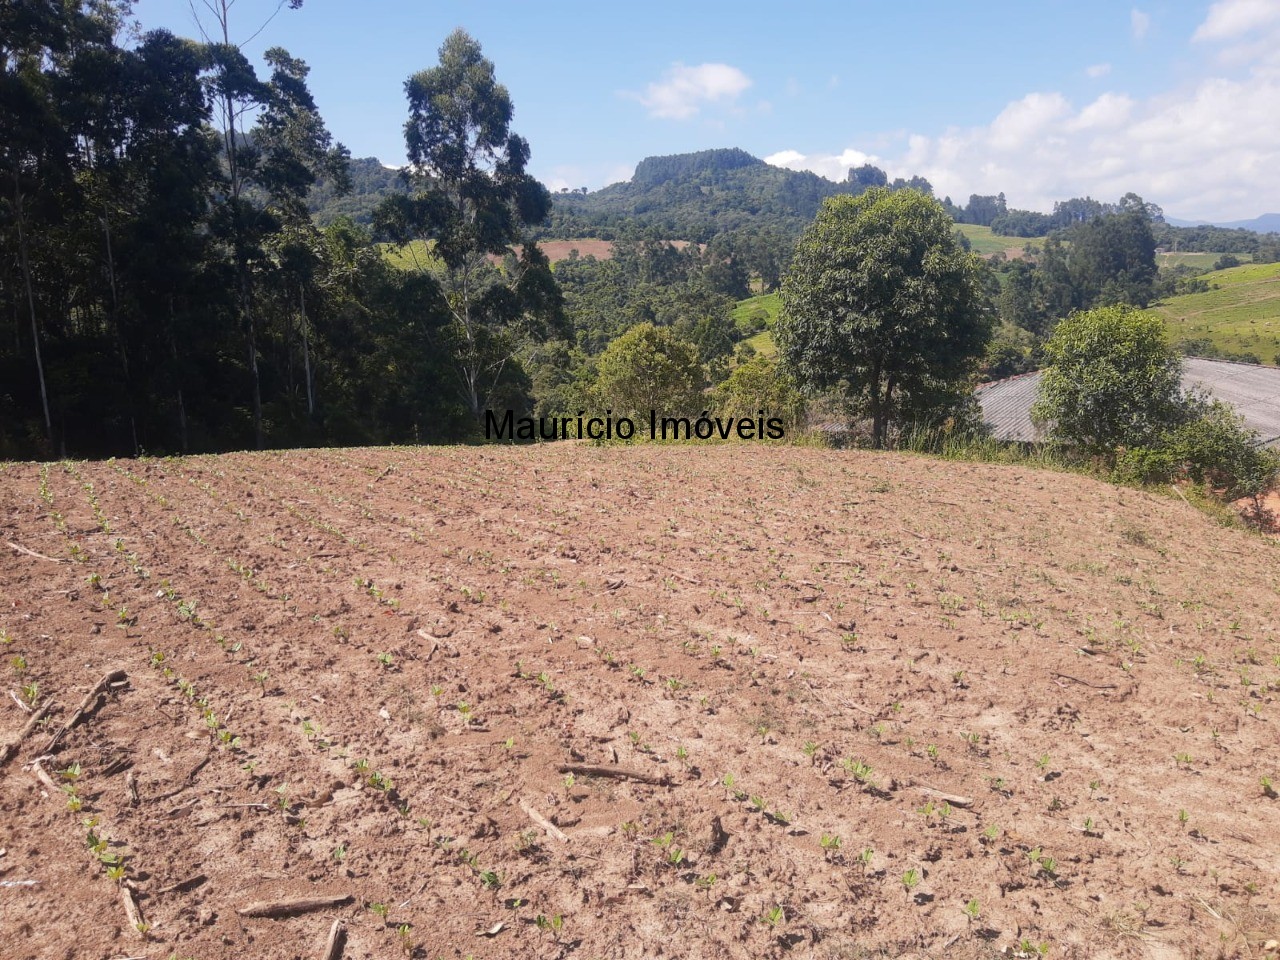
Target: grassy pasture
767, 305
985, 243
1241, 315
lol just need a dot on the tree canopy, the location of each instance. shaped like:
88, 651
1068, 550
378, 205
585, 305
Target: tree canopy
882, 302
1112, 380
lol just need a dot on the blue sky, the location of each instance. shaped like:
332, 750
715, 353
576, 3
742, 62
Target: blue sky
1176, 101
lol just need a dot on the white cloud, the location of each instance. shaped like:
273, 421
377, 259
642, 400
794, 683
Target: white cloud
1230, 19
1098, 70
833, 166
1139, 22
1206, 150
683, 91
1107, 112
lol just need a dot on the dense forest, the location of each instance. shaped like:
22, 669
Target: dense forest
189, 262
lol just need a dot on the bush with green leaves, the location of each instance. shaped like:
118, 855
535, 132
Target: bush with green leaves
649, 368
1215, 447
1112, 381
760, 384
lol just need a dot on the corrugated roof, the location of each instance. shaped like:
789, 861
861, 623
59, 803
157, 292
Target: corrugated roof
1253, 390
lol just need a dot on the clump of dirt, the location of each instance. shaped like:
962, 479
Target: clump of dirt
567, 701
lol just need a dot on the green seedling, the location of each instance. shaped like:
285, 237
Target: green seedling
380, 909
31, 693
911, 879
386, 659
775, 916
972, 910
19, 664
550, 925
830, 843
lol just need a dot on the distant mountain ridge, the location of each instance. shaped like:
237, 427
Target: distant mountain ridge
1267, 223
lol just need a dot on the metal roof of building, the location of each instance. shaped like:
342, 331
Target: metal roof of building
1254, 392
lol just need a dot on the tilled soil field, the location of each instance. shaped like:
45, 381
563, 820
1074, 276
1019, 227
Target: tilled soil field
654, 702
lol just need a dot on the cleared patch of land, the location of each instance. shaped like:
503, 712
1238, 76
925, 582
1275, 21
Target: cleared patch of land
836, 704
986, 243
1242, 315
1203, 261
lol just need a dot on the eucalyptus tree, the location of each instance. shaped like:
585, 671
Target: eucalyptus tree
472, 201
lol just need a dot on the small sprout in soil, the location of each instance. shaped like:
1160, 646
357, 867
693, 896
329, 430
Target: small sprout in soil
31, 693
70, 773
1183, 817
705, 883
809, 749
1268, 787
550, 925
774, 917
19, 664
911, 879
339, 853
1043, 763
261, 680
386, 659
972, 910
380, 909
830, 842
1182, 758
405, 933
865, 857
490, 879
379, 782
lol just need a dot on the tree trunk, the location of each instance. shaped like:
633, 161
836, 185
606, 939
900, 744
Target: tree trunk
182, 406
306, 353
31, 302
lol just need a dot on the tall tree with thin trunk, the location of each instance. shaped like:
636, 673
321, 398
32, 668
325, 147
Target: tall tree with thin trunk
473, 200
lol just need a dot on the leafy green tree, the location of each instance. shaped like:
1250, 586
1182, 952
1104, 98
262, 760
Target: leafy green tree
1113, 258
474, 200
881, 301
649, 368
1112, 381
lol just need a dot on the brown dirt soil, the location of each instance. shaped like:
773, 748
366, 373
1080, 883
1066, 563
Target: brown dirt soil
356, 672
559, 249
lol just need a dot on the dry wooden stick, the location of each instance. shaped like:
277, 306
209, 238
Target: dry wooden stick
87, 703
544, 823
593, 770
131, 785
337, 938
11, 748
132, 912
43, 776
186, 781
186, 884
950, 798
1096, 686
292, 907
32, 553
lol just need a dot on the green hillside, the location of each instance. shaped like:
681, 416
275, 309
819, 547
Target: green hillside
1242, 315
753, 310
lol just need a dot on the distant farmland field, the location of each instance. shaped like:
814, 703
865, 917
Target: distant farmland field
986, 243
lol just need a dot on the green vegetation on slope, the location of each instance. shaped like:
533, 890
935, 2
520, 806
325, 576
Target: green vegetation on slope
1240, 316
